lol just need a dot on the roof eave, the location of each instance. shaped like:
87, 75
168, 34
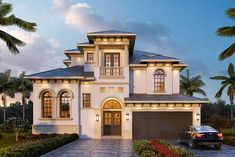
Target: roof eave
159, 60
174, 102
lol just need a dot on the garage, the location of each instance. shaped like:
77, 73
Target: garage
161, 125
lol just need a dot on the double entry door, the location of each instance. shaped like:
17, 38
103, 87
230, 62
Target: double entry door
112, 123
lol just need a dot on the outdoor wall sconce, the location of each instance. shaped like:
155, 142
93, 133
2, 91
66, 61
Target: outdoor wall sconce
127, 116
97, 117
197, 116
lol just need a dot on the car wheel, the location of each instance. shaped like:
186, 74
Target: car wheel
179, 140
218, 146
191, 144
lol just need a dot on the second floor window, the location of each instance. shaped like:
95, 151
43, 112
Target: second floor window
159, 80
112, 60
90, 57
86, 100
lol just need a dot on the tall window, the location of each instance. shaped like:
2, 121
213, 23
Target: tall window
86, 100
112, 59
64, 105
159, 80
47, 105
90, 57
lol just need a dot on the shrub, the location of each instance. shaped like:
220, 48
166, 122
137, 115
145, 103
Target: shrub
15, 124
228, 132
229, 140
148, 153
37, 148
218, 122
140, 145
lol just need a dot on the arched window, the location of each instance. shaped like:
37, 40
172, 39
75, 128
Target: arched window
47, 105
159, 80
65, 105
112, 104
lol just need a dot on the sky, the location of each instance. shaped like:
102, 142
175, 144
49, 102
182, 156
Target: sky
177, 28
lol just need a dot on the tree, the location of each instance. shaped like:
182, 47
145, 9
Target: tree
25, 87
7, 88
228, 31
192, 85
5, 20
229, 82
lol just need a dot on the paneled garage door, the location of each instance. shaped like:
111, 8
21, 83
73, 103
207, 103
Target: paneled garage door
162, 125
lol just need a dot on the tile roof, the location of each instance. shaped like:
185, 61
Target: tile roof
174, 98
72, 50
110, 32
142, 55
70, 72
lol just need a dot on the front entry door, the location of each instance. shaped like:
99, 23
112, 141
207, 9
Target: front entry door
112, 123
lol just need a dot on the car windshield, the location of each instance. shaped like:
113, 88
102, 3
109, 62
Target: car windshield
204, 129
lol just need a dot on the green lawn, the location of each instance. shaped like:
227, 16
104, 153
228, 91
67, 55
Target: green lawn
9, 139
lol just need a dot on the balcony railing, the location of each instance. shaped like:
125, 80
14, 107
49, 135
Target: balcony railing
111, 71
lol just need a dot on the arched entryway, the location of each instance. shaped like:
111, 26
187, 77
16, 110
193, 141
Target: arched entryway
112, 118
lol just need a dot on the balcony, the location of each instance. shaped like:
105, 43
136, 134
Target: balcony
111, 72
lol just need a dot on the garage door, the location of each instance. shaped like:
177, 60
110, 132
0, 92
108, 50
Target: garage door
161, 125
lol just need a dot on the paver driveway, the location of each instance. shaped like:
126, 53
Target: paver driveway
94, 148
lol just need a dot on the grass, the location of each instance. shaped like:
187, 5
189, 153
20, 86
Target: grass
9, 139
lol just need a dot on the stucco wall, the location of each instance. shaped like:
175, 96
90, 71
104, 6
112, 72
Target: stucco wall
56, 88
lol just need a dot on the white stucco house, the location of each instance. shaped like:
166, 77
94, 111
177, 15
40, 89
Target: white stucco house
109, 89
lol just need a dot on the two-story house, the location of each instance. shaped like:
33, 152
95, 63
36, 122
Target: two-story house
110, 89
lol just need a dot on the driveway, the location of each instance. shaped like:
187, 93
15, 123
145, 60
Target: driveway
94, 148
225, 151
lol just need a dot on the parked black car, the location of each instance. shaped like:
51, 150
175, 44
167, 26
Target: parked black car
200, 135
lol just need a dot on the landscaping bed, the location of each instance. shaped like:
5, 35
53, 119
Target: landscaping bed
229, 137
159, 148
38, 146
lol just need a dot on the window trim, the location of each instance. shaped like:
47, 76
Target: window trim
83, 102
162, 80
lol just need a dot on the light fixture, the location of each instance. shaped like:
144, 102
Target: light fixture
97, 117
197, 116
127, 116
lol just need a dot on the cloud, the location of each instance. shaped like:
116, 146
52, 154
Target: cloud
153, 36
38, 55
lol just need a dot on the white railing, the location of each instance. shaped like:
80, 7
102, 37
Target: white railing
111, 71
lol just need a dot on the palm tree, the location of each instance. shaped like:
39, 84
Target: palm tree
7, 88
192, 85
229, 82
5, 20
25, 87
228, 31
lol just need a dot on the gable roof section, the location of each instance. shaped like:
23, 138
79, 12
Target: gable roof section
142, 56
74, 72
152, 98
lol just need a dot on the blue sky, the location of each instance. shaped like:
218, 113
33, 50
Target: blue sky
178, 28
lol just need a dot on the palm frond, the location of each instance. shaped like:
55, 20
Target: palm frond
227, 31
5, 8
230, 70
200, 91
11, 42
219, 78
12, 20
231, 13
219, 93
227, 52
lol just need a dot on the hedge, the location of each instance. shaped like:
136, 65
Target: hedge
228, 132
37, 148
